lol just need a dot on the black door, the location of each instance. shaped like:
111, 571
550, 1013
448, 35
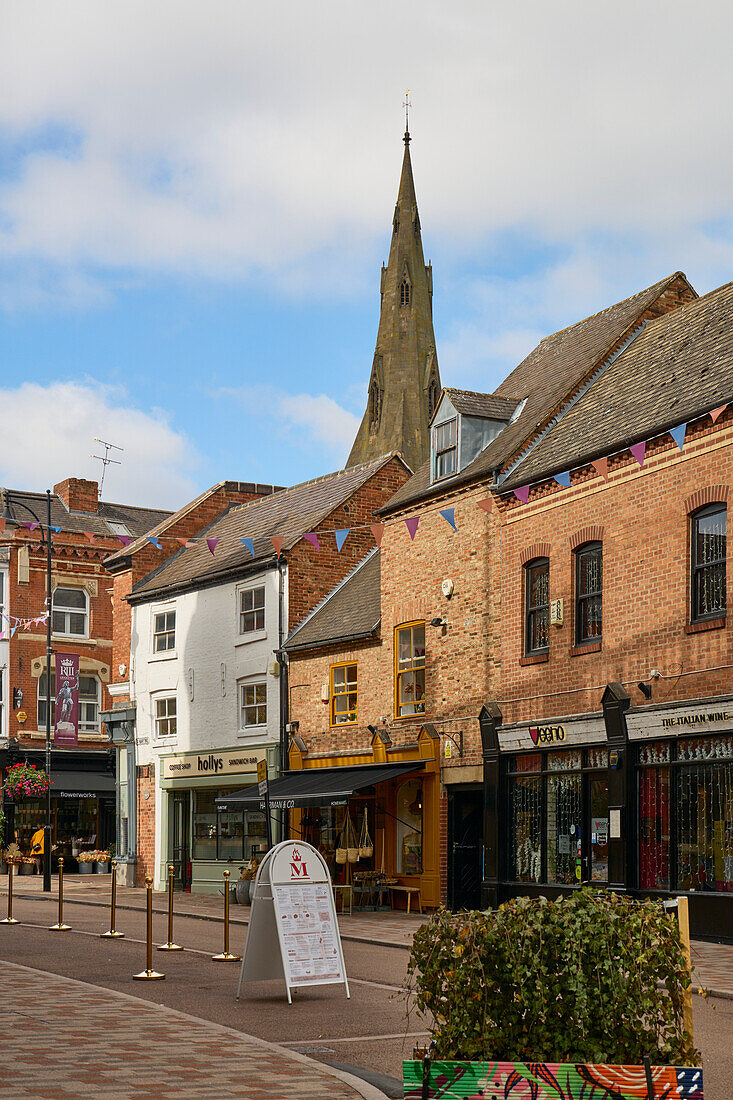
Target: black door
181, 859
465, 848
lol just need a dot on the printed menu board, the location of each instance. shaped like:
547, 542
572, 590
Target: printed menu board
308, 934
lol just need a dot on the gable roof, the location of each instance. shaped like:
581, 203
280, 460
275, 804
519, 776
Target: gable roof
552, 371
487, 405
288, 514
678, 368
351, 610
15, 502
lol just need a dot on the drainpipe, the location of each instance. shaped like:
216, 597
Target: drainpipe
283, 679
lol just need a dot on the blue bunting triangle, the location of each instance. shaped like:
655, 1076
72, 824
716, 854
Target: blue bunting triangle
678, 434
250, 544
563, 479
448, 515
341, 537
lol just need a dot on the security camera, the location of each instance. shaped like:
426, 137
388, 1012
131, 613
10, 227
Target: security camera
437, 621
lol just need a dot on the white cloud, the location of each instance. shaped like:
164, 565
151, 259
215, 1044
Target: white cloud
314, 422
238, 140
49, 431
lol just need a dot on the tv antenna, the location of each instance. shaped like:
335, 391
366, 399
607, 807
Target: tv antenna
105, 459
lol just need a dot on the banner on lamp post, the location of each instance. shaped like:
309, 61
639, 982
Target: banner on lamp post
66, 719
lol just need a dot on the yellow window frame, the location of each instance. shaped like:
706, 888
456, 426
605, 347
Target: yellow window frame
345, 692
413, 666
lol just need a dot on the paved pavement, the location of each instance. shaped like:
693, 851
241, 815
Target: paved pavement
63, 1038
713, 962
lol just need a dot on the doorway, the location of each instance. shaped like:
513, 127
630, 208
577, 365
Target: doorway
465, 847
180, 830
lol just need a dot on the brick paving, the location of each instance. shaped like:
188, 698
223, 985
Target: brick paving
61, 1038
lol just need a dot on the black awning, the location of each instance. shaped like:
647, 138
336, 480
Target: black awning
315, 787
82, 782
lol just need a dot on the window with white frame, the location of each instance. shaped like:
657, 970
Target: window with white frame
252, 609
2, 701
165, 716
70, 612
88, 702
164, 631
252, 705
2, 602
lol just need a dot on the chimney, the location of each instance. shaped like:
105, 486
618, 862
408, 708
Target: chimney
78, 494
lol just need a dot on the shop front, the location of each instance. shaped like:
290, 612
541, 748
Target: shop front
197, 838
82, 807
637, 800
382, 803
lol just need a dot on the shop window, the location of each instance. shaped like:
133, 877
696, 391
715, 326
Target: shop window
445, 448
70, 612
231, 835
709, 547
204, 824
525, 824
164, 631
252, 705
564, 819
166, 716
409, 828
410, 670
589, 593
88, 702
537, 606
343, 694
252, 610
654, 828
704, 817
599, 829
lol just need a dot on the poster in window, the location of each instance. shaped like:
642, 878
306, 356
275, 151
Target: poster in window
66, 722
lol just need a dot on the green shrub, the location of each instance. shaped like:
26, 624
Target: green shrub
591, 977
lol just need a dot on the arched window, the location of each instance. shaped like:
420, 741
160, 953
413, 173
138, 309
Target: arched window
375, 404
709, 538
433, 395
588, 593
404, 293
537, 606
70, 612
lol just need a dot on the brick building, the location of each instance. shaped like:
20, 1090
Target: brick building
84, 530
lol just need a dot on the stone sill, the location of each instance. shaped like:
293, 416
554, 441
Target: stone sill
535, 659
589, 647
706, 624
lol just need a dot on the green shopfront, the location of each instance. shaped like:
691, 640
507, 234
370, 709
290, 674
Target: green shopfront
200, 841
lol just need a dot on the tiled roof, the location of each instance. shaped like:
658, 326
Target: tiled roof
16, 502
679, 367
487, 405
287, 514
351, 610
553, 369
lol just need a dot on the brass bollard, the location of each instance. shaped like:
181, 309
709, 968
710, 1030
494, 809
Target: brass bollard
170, 945
60, 926
148, 974
226, 955
10, 919
112, 934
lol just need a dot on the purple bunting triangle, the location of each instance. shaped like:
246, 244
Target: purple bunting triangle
30, 524
522, 493
341, 537
638, 450
563, 479
250, 544
411, 524
448, 515
124, 539
313, 539
678, 435
154, 541
211, 543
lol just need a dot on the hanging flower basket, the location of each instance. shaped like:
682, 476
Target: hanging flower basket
25, 781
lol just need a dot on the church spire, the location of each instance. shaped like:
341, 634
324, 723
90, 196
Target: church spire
405, 384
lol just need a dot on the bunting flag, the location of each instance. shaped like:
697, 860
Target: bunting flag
125, 539
563, 479
715, 413
90, 536
2, 525
154, 541
600, 465
188, 543
341, 536
522, 493
638, 450
2, 635
377, 530
448, 515
277, 541
57, 529
12, 631
30, 524
313, 539
678, 435
249, 544
211, 543
486, 504
412, 524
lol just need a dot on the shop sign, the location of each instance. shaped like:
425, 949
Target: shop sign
196, 765
546, 735
676, 721
585, 730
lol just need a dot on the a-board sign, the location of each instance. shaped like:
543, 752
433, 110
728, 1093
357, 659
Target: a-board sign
293, 930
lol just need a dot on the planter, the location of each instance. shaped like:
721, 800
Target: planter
101, 868
241, 890
27, 868
546, 1080
86, 868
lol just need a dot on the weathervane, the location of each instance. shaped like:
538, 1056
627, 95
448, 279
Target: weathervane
407, 106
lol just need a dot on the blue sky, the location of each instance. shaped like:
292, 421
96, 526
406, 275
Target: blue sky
195, 201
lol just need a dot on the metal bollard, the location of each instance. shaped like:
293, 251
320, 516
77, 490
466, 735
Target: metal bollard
226, 955
10, 919
60, 926
112, 934
170, 945
148, 974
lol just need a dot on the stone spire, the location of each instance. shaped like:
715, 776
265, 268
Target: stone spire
404, 385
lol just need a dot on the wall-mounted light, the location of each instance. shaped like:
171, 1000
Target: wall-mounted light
645, 689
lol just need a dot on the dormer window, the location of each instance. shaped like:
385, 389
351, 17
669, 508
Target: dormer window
445, 442
404, 293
